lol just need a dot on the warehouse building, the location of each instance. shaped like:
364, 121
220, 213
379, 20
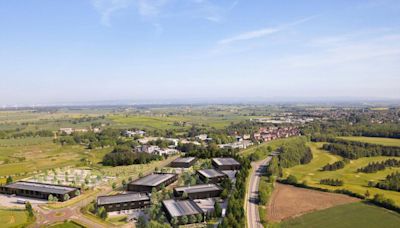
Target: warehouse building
155, 180
211, 175
225, 164
200, 191
123, 201
39, 190
179, 208
184, 162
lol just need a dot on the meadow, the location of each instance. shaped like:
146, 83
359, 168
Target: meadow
13, 218
374, 140
348, 215
162, 122
23, 157
357, 182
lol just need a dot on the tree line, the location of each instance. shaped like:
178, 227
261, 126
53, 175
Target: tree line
331, 182
335, 166
355, 150
391, 182
235, 213
374, 167
124, 155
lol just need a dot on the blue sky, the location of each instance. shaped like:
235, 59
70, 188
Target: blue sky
96, 50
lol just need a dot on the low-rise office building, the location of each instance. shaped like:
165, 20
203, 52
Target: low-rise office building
123, 201
39, 190
184, 162
211, 175
179, 208
225, 164
155, 180
200, 191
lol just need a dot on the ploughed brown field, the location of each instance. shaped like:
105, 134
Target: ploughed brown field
288, 201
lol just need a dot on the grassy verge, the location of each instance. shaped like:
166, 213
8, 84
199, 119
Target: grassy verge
265, 190
67, 224
85, 195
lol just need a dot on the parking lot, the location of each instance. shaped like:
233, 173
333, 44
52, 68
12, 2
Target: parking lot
9, 201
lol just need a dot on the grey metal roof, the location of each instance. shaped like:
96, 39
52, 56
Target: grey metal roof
153, 179
178, 208
210, 173
225, 161
41, 187
184, 159
122, 198
198, 188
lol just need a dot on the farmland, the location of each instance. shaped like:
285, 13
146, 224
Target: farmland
348, 215
374, 140
288, 201
175, 121
353, 181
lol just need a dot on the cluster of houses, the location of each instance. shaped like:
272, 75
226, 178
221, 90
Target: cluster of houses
270, 133
185, 200
70, 130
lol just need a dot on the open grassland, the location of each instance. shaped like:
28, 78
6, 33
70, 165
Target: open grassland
22, 157
288, 201
348, 216
374, 140
353, 181
13, 218
175, 121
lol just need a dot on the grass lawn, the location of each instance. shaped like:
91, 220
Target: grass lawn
353, 181
13, 218
117, 220
68, 224
374, 140
349, 215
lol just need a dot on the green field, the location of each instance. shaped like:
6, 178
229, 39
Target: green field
169, 122
374, 140
69, 224
349, 215
13, 218
22, 157
356, 182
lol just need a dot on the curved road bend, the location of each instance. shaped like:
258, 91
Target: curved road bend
253, 217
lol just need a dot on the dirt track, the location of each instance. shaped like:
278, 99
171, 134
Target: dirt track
288, 201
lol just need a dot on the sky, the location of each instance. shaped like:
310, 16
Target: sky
105, 50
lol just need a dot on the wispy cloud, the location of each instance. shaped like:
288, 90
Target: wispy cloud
108, 7
154, 11
249, 35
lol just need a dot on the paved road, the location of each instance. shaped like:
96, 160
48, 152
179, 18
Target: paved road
253, 217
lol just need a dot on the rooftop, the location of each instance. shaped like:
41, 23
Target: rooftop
41, 187
198, 188
178, 208
153, 179
209, 173
184, 159
225, 161
121, 198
